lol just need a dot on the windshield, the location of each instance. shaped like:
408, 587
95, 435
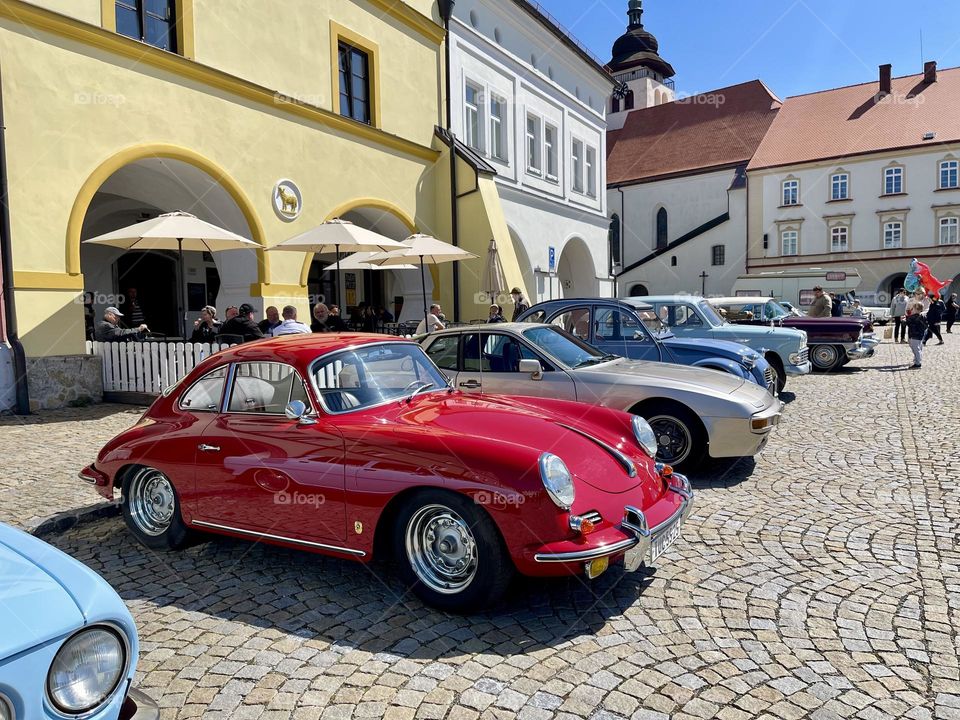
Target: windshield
564, 347
652, 321
712, 316
374, 374
772, 310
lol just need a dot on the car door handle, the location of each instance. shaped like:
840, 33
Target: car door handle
208, 448
470, 384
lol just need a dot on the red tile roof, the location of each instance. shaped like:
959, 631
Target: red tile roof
719, 128
851, 121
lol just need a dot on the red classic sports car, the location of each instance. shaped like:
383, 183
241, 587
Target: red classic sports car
355, 446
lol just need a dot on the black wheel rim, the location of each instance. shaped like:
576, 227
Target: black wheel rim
674, 439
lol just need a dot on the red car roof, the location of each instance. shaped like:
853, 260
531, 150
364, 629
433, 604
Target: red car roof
303, 347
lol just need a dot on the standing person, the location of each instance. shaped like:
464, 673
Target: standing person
520, 304
951, 313
433, 321
132, 310
242, 326
496, 314
820, 307
271, 320
836, 305
916, 332
934, 316
290, 324
898, 308
206, 327
108, 330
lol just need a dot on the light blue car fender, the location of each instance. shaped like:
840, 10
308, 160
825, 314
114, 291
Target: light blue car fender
725, 365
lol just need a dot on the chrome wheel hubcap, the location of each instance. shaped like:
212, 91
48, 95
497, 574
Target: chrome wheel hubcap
442, 549
825, 356
152, 501
674, 442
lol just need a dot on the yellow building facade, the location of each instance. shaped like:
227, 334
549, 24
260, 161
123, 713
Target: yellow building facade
104, 130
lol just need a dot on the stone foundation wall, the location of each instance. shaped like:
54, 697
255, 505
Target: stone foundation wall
61, 380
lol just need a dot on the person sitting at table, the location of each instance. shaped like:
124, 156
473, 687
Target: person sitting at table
271, 320
323, 321
242, 327
108, 331
206, 327
290, 324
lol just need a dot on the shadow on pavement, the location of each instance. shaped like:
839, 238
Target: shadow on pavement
723, 473
347, 604
72, 414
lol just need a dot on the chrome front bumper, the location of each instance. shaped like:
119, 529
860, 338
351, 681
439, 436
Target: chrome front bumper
859, 352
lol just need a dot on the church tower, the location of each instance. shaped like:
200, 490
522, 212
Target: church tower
644, 76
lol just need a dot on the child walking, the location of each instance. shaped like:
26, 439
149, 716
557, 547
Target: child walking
917, 329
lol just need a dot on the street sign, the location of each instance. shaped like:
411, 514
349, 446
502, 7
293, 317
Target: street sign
552, 262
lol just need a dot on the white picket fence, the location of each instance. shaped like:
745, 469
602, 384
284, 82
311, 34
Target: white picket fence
148, 367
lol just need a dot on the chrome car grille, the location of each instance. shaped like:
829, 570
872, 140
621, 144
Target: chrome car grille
803, 356
770, 378
593, 516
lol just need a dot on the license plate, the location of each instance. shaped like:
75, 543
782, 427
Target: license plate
664, 540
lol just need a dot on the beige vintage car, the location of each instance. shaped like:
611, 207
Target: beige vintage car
694, 412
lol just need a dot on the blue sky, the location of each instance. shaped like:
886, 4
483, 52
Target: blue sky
795, 46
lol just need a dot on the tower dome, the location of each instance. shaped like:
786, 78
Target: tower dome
637, 47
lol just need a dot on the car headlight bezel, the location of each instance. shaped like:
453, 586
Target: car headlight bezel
644, 435
6, 708
557, 480
103, 693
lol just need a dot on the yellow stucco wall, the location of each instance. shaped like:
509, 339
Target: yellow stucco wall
70, 106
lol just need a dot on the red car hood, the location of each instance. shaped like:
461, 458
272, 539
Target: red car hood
530, 426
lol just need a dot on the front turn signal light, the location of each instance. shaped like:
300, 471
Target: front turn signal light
760, 423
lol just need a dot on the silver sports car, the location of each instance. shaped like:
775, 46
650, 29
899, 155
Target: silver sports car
694, 412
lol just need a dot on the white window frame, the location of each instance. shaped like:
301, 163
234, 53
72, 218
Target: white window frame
534, 144
795, 241
839, 239
791, 186
891, 229
550, 151
952, 168
576, 165
952, 225
498, 129
840, 186
590, 167
893, 178
473, 116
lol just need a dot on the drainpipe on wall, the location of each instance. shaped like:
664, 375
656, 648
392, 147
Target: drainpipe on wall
6, 261
623, 240
446, 12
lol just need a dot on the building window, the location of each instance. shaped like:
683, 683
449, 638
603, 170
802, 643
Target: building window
718, 255
151, 21
534, 145
354, 83
949, 175
591, 171
893, 181
791, 192
662, 228
673, 261
892, 235
614, 104
840, 187
471, 117
839, 238
498, 145
577, 155
550, 150
789, 242
628, 101
614, 242
949, 231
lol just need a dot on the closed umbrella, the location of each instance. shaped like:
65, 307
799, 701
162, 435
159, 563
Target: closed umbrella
494, 280
336, 235
175, 231
422, 250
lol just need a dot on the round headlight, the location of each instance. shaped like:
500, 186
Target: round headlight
645, 436
86, 670
557, 480
6, 712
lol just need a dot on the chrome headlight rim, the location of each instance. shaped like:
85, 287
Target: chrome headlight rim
118, 684
564, 492
6, 708
645, 436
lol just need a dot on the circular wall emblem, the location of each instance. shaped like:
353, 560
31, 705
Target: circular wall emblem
287, 200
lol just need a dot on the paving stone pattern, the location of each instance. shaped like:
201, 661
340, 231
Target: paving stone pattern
819, 582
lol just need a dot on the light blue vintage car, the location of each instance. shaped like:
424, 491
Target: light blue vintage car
690, 316
68, 645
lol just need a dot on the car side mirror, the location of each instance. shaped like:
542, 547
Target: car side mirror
297, 410
639, 335
533, 368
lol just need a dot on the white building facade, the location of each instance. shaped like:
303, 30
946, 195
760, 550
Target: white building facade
532, 103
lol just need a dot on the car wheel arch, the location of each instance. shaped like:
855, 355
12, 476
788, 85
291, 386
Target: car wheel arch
727, 366
661, 404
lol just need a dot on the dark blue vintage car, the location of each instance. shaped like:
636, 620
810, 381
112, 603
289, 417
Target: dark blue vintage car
629, 327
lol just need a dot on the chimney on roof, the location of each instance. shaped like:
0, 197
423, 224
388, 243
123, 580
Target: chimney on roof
930, 72
886, 79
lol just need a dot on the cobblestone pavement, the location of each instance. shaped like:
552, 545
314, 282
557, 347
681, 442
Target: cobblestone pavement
820, 581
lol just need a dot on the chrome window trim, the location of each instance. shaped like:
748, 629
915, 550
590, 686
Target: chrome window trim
281, 538
225, 404
121, 678
226, 380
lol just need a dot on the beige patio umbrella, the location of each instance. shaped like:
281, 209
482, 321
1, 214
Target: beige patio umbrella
494, 280
423, 250
361, 261
333, 235
175, 231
